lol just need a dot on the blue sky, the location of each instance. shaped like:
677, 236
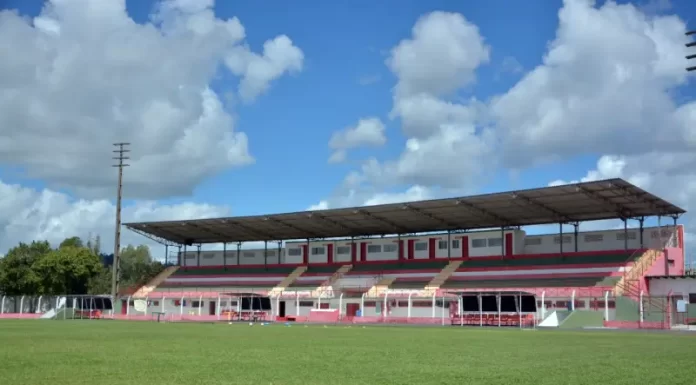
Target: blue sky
344, 78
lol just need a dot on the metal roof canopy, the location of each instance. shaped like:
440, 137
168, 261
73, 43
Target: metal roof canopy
588, 201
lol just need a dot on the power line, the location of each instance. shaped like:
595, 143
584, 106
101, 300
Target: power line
121, 155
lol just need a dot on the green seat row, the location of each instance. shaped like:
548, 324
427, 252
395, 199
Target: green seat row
547, 261
316, 269
401, 265
284, 270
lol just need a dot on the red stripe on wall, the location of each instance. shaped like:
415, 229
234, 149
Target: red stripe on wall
431, 247
508, 244
363, 251
305, 254
465, 246
411, 248
329, 253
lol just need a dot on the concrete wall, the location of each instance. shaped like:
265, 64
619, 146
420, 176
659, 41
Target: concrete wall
471, 244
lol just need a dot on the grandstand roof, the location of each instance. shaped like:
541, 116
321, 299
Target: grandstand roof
606, 199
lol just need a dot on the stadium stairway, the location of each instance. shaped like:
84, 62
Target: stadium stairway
442, 276
154, 282
629, 284
328, 284
380, 287
287, 281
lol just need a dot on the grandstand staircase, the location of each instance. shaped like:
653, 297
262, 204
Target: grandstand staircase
287, 281
441, 277
629, 284
146, 289
380, 287
327, 285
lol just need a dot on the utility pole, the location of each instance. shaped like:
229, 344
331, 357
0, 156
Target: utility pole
121, 155
692, 56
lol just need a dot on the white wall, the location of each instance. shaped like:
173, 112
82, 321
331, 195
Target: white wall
683, 286
522, 244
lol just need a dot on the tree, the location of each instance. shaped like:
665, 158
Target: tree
68, 270
137, 265
18, 275
71, 242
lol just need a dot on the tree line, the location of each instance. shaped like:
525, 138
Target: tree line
73, 268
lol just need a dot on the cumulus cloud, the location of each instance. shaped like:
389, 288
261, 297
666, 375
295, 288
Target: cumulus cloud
83, 74
30, 214
369, 132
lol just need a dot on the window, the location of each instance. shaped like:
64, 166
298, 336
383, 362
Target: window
495, 242
442, 245
190, 256
692, 298
306, 303
270, 253
318, 250
389, 248
248, 254
478, 243
294, 252
594, 238
374, 249
532, 241
421, 246
455, 244
209, 255
622, 236
343, 250
196, 303
557, 239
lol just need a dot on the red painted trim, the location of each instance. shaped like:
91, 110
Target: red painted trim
221, 283
508, 244
411, 248
223, 275
329, 253
531, 276
465, 246
431, 248
353, 253
363, 251
401, 250
392, 271
305, 254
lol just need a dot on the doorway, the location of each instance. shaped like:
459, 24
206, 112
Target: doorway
212, 308
281, 309
352, 309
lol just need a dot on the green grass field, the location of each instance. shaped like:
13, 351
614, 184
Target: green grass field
111, 352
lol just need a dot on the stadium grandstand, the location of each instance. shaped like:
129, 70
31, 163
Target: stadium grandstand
465, 261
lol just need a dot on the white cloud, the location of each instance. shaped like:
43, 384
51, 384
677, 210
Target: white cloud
369, 132
29, 214
83, 74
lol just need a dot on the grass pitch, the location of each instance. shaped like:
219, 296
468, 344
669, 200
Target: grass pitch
111, 352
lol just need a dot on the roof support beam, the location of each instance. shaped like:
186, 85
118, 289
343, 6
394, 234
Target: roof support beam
397, 228
348, 229
621, 211
484, 212
309, 233
435, 218
208, 229
155, 238
641, 198
533, 202
250, 230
